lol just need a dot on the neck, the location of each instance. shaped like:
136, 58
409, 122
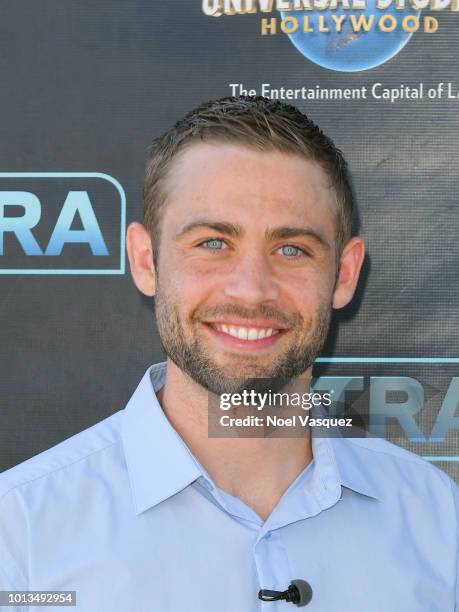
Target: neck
255, 470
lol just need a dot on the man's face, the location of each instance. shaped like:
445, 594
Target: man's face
247, 268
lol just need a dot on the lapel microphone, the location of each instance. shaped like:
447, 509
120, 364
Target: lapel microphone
299, 592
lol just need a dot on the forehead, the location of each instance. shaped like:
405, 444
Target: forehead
250, 186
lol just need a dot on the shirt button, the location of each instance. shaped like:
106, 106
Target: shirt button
268, 535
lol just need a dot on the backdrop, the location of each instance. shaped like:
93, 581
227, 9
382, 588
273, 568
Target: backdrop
85, 88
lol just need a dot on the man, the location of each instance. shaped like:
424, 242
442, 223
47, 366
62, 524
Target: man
246, 246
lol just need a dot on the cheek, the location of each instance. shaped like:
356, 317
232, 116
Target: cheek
197, 276
190, 285
308, 291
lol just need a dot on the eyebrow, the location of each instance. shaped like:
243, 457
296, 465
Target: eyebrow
229, 229
277, 233
287, 232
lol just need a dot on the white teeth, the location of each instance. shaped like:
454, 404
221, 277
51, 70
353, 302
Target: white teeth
242, 333
246, 333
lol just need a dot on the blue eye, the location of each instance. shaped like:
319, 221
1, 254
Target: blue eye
291, 251
214, 244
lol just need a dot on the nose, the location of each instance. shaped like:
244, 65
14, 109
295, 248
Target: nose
251, 280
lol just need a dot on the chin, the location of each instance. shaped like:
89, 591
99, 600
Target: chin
244, 369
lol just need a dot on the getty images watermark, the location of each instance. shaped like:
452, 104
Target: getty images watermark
273, 408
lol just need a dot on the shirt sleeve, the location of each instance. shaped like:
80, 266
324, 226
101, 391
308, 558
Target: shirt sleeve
455, 490
13, 545
11, 578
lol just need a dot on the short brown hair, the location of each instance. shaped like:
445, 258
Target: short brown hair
257, 122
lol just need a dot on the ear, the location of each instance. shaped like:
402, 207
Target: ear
350, 264
140, 253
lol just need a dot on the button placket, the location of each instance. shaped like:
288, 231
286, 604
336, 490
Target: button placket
272, 563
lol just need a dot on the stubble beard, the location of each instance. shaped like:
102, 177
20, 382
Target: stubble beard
246, 371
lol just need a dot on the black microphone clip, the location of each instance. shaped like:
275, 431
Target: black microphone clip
299, 592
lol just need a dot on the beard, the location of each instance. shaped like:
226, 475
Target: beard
242, 371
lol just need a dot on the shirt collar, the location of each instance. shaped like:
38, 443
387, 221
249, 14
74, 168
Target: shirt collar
158, 461
346, 460
353, 471
150, 442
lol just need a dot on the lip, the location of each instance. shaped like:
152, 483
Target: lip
245, 345
255, 323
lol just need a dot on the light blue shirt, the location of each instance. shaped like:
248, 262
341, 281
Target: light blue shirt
123, 514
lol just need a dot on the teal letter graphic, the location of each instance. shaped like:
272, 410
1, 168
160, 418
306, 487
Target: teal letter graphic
381, 409
91, 234
447, 418
20, 226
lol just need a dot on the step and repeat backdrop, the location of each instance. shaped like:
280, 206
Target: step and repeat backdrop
86, 86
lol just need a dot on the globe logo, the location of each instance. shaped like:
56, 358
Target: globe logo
348, 50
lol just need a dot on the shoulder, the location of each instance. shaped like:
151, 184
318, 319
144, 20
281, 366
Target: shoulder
398, 472
62, 456
45, 489
383, 450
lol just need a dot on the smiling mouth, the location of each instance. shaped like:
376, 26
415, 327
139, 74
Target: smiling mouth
245, 332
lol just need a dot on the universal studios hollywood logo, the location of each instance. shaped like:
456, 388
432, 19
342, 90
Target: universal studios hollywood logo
342, 35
